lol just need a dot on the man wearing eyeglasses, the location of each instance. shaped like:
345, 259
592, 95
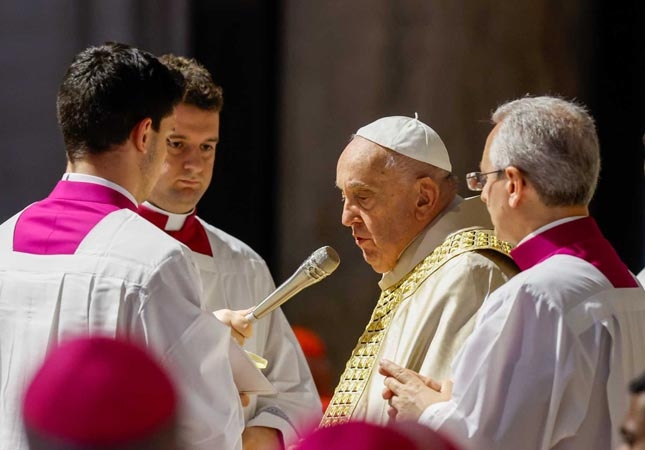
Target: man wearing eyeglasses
553, 349
436, 252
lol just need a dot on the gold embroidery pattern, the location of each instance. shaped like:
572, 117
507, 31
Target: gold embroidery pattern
360, 365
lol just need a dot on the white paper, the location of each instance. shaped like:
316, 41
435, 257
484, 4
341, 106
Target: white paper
248, 378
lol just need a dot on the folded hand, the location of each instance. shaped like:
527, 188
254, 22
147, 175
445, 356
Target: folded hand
409, 393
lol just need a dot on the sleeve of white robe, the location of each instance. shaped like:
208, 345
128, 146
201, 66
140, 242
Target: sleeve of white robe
194, 345
236, 277
296, 406
515, 370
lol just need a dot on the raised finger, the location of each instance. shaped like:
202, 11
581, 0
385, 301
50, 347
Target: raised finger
391, 369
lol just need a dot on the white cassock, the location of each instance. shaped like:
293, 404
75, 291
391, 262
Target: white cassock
128, 279
237, 278
641, 277
553, 351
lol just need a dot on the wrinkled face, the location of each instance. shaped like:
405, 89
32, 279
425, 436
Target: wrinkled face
188, 168
493, 193
378, 203
633, 426
156, 154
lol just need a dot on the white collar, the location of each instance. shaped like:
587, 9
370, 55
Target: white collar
175, 221
548, 226
85, 178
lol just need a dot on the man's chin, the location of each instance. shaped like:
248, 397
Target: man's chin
175, 204
375, 264
187, 197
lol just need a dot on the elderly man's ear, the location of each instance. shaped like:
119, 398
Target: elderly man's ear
427, 198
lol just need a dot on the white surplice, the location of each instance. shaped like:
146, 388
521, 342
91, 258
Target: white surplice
548, 364
236, 277
129, 279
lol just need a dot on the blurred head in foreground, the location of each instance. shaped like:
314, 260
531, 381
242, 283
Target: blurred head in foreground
356, 435
100, 393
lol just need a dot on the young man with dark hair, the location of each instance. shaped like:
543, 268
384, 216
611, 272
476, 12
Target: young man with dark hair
82, 261
234, 276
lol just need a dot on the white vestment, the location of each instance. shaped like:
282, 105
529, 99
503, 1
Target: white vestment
129, 279
237, 278
641, 277
430, 326
548, 364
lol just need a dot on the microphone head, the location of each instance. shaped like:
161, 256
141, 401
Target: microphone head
317, 266
326, 259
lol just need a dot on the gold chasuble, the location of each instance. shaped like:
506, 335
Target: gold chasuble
361, 363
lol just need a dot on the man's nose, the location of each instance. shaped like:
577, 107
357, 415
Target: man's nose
349, 216
193, 159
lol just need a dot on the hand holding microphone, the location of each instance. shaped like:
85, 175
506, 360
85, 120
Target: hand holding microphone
241, 329
320, 264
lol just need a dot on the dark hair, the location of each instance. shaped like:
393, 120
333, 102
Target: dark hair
199, 88
107, 90
637, 385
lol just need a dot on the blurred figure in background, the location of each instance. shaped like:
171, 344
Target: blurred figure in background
100, 393
358, 435
436, 251
235, 278
632, 430
315, 351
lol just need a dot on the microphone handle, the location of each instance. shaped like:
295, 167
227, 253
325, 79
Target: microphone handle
296, 283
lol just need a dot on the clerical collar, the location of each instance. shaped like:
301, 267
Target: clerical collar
580, 238
175, 221
548, 226
85, 178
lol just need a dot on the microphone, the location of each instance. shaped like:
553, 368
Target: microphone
320, 263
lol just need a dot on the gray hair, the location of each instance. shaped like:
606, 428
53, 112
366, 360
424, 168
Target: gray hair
412, 169
554, 143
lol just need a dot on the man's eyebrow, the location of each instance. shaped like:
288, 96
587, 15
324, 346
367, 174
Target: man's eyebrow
352, 185
358, 185
183, 136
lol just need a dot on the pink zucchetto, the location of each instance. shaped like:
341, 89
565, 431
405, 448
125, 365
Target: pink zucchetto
359, 435
99, 391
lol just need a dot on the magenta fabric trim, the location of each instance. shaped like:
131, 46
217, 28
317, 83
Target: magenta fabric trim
192, 233
58, 224
580, 238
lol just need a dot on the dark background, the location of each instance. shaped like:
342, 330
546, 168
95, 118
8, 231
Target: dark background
241, 52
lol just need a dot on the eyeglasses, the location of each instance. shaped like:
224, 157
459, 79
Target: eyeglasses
477, 180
